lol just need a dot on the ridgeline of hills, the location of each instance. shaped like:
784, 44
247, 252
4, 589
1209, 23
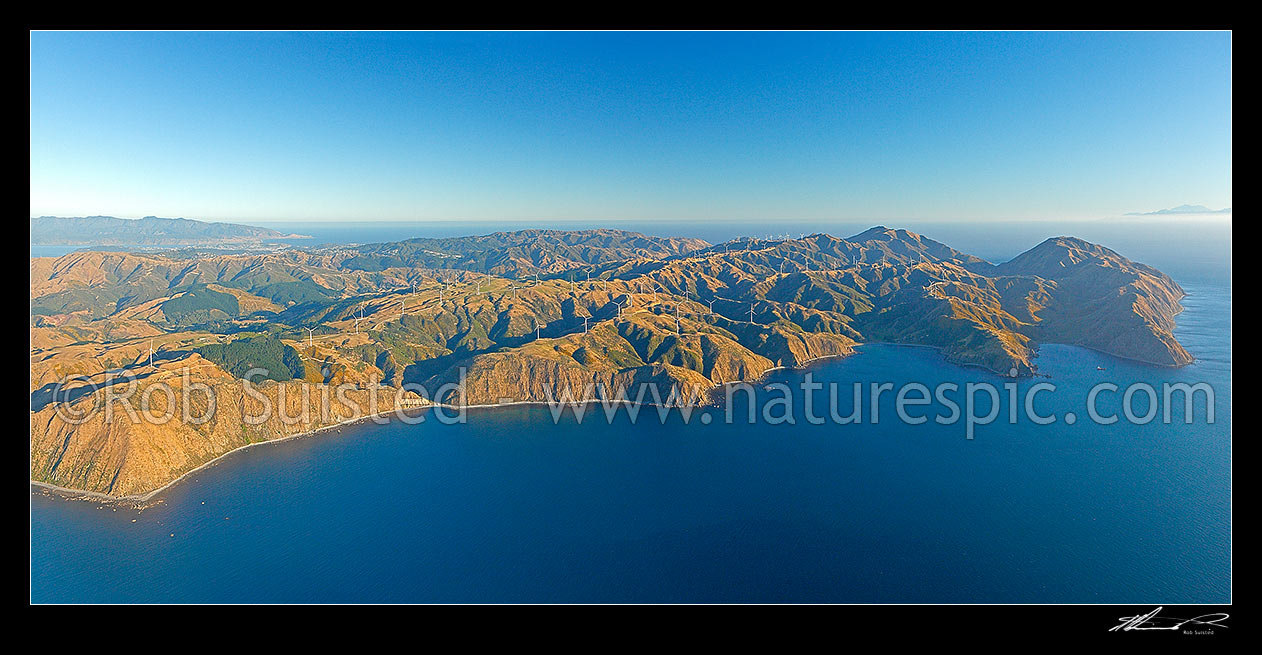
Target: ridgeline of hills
147, 231
519, 253
531, 314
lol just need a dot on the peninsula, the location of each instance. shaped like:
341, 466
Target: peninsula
524, 315
147, 231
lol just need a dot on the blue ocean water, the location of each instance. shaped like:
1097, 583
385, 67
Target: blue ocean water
510, 507
52, 251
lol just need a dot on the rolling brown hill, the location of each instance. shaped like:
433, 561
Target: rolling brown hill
539, 315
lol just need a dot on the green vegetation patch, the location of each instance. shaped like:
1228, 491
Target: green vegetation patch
293, 293
265, 351
200, 304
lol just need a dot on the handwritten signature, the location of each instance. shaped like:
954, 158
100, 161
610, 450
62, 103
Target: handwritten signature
1151, 621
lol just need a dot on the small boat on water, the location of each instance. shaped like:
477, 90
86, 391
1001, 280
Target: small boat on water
1099, 368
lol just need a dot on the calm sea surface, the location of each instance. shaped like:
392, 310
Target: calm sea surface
510, 507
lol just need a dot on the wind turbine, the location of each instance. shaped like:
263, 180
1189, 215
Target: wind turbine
151, 352
310, 335
358, 319
711, 306
751, 312
584, 325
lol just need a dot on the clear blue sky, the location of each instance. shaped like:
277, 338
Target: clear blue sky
538, 126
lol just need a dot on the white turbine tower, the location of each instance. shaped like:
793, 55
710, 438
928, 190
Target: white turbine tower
751, 312
584, 325
310, 339
711, 306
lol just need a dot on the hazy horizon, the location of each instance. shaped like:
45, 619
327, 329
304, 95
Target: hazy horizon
1205, 218
865, 318
883, 127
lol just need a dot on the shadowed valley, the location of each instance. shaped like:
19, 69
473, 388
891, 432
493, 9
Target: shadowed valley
533, 315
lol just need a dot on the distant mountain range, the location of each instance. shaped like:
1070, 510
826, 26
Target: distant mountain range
1183, 209
523, 252
147, 231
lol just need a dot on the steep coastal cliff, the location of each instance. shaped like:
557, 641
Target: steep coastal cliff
531, 316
